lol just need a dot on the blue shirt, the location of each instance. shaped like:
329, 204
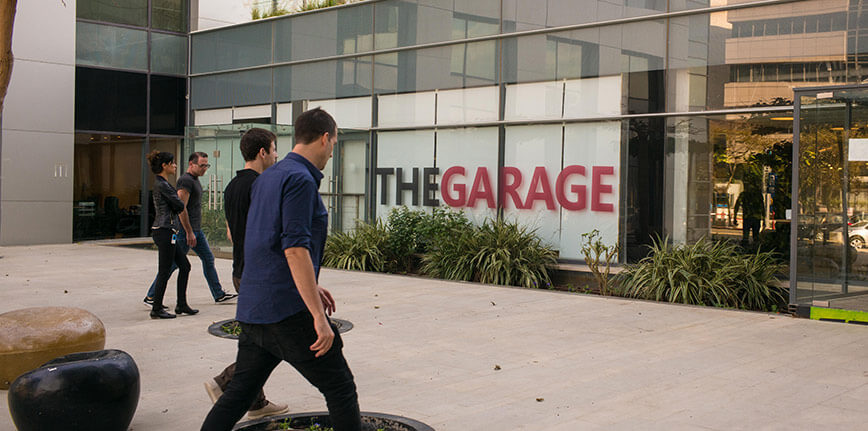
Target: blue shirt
286, 211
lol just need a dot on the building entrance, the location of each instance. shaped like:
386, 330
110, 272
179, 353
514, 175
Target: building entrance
829, 266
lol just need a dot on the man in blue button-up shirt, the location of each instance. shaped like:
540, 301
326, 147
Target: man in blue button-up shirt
281, 308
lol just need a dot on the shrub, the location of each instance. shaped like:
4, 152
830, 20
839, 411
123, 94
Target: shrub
704, 273
498, 252
417, 232
453, 259
599, 255
360, 249
508, 253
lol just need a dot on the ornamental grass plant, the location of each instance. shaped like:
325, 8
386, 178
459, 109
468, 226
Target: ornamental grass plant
359, 249
498, 252
705, 273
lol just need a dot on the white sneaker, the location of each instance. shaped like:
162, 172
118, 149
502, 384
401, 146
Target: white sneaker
213, 390
270, 409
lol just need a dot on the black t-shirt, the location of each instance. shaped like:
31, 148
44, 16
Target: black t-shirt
194, 204
236, 199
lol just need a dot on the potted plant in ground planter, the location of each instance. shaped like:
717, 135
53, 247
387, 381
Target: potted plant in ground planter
319, 421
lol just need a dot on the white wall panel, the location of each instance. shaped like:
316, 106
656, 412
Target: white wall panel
209, 117
535, 149
534, 101
592, 146
467, 105
414, 109
593, 97
405, 150
471, 149
353, 113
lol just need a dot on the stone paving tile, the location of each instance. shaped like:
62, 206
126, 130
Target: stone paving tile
427, 349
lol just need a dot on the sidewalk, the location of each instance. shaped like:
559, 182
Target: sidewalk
429, 350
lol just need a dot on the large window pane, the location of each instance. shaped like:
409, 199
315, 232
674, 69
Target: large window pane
168, 104
456, 66
132, 12
636, 50
411, 22
107, 100
729, 177
232, 89
107, 191
343, 31
324, 80
169, 15
168, 54
233, 48
109, 46
756, 56
520, 15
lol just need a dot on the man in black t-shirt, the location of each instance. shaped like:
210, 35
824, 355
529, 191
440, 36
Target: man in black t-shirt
259, 151
191, 236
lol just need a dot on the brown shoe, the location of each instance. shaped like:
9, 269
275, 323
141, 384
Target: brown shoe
270, 409
213, 389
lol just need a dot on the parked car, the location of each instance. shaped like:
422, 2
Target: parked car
858, 233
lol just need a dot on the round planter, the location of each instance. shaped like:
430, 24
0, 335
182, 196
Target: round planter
216, 328
302, 420
82, 391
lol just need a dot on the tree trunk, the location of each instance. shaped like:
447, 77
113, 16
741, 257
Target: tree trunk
7, 18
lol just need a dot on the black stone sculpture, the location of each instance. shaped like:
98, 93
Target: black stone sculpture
82, 391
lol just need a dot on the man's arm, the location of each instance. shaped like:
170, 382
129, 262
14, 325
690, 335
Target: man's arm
318, 300
228, 232
185, 218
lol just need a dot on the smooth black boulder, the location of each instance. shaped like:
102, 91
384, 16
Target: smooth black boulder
82, 391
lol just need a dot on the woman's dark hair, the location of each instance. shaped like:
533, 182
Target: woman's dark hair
312, 124
254, 140
156, 158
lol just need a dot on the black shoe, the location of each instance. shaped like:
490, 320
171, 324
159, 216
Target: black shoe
149, 301
161, 314
185, 309
225, 297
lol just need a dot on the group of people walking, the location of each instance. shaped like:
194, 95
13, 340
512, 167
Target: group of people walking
277, 224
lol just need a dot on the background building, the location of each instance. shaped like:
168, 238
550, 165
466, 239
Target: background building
635, 118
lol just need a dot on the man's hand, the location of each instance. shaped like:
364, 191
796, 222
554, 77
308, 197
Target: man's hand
191, 239
328, 303
325, 337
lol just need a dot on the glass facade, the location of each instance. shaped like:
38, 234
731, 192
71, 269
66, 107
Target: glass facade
567, 115
130, 97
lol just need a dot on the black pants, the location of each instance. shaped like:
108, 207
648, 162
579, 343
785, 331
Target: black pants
750, 225
262, 347
168, 253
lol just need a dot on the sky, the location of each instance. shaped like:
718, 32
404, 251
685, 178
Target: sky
216, 13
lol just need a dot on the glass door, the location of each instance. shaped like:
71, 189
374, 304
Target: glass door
832, 227
344, 181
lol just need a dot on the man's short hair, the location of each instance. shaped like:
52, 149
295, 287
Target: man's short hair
312, 124
194, 157
255, 139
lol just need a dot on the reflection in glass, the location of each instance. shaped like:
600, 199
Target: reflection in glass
109, 46
232, 48
832, 262
168, 54
107, 186
132, 12
169, 15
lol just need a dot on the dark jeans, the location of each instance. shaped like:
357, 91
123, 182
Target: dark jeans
750, 225
226, 376
169, 254
262, 347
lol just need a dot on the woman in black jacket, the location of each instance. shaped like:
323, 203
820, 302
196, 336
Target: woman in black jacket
164, 231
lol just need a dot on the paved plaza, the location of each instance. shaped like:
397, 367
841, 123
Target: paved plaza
464, 356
